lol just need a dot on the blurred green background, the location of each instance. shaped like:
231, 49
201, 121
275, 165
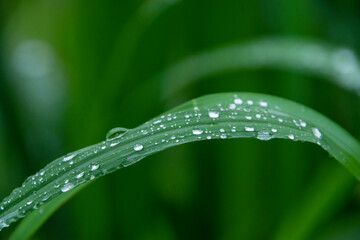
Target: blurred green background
72, 70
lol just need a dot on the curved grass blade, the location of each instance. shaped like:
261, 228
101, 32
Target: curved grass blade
218, 116
31, 223
340, 65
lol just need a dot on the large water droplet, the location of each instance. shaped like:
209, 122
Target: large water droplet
116, 133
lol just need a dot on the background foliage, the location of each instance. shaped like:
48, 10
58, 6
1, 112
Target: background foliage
71, 70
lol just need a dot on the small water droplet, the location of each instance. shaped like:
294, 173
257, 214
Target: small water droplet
80, 175
291, 136
157, 121
249, 129
274, 130
116, 133
248, 117
213, 114
67, 187
316, 132
249, 102
263, 103
232, 106
302, 123
223, 136
114, 144
222, 130
197, 131
138, 147
238, 101
67, 158
94, 167
264, 135
258, 115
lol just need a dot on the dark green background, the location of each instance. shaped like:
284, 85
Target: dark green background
235, 189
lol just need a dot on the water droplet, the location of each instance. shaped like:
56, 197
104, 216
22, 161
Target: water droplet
223, 136
197, 131
249, 129
232, 106
222, 130
213, 114
249, 102
238, 101
94, 167
302, 123
67, 158
274, 130
248, 117
114, 144
80, 175
316, 132
157, 121
67, 187
292, 137
138, 147
264, 135
116, 133
258, 115
263, 103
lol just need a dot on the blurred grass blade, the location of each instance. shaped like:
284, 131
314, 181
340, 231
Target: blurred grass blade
127, 41
218, 116
326, 194
340, 65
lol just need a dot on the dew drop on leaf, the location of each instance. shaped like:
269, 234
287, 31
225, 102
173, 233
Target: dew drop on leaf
213, 114
116, 133
138, 147
67, 187
249, 129
264, 135
94, 167
316, 132
197, 131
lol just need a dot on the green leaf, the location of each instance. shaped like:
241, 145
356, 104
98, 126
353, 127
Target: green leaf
337, 64
218, 116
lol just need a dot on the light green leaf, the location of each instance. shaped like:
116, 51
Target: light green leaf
218, 116
338, 64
